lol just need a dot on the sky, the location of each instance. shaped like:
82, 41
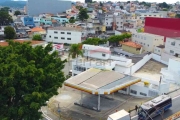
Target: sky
159, 1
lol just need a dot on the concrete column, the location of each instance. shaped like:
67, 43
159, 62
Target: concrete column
99, 102
81, 97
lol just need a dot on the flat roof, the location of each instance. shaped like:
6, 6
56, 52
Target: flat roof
118, 114
66, 29
97, 81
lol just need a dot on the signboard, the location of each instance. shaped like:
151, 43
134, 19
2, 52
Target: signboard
174, 117
58, 47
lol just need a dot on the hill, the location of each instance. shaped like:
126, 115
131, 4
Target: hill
14, 4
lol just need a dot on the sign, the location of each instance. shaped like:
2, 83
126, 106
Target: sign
174, 117
58, 47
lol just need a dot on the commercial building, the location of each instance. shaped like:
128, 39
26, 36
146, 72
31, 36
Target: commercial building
148, 41
168, 27
64, 35
27, 21
36, 7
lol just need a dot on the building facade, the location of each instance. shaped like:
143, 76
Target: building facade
28, 21
35, 7
148, 41
64, 35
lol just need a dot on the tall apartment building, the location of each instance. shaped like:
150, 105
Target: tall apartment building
119, 21
109, 19
36, 7
148, 41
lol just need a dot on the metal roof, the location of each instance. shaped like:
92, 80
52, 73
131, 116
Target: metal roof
96, 81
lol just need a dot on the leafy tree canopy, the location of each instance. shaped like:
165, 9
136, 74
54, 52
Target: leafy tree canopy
9, 32
117, 38
164, 5
75, 51
5, 18
83, 14
37, 37
91, 41
177, 16
17, 13
72, 20
28, 77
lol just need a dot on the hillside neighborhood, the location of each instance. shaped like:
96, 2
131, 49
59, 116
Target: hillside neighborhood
90, 61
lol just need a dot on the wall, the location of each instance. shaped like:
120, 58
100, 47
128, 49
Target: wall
75, 37
121, 51
161, 26
170, 47
174, 64
158, 50
158, 58
130, 49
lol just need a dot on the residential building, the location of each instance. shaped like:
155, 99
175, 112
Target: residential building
60, 19
46, 21
131, 47
37, 30
37, 20
119, 21
109, 19
172, 46
148, 41
64, 35
47, 6
28, 21
159, 49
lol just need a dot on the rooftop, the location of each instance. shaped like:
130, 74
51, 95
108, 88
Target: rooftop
96, 81
131, 44
149, 34
137, 57
37, 29
66, 29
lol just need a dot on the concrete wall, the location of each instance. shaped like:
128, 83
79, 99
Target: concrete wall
121, 51
158, 58
130, 49
75, 36
172, 46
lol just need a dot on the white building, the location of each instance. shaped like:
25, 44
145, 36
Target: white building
119, 19
148, 41
172, 46
37, 21
159, 49
64, 35
109, 19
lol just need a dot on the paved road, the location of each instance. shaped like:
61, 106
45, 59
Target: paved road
175, 108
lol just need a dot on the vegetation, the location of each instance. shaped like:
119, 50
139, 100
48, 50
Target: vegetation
94, 41
15, 4
115, 39
164, 5
177, 16
121, 7
29, 76
145, 4
83, 14
88, 1
101, 4
72, 20
37, 37
9, 32
5, 18
75, 51
17, 12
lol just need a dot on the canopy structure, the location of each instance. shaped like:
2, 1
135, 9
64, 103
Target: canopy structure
96, 81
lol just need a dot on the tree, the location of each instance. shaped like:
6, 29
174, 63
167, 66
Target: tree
101, 4
75, 51
91, 41
9, 32
17, 13
5, 18
121, 7
88, 1
164, 5
37, 37
6, 9
83, 14
177, 16
72, 20
128, 2
29, 76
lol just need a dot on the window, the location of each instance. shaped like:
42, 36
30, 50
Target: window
144, 44
144, 94
173, 43
124, 89
148, 45
103, 55
62, 38
117, 22
171, 51
68, 33
158, 50
144, 38
50, 36
68, 38
62, 32
133, 91
55, 32
55, 37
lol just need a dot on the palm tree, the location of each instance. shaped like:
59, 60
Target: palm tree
75, 51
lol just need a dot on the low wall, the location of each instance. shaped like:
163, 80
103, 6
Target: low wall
158, 58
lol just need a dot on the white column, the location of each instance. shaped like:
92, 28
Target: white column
81, 97
99, 102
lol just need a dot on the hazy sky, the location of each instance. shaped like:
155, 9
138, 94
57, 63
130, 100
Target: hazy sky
159, 1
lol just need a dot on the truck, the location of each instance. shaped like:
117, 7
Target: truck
120, 115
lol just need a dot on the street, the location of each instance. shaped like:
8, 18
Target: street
175, 108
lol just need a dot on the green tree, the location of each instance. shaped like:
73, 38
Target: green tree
72, 20
5, 18
79, 7
29, 76
75, 51
91, 41
121, 7
9, 32
6, 9
164, 5
88, 1
101, 4
37, 37
177, 16
128, 1
83, 14
17, 13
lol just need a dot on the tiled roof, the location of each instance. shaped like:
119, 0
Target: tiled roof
33, 42
131, 44
37, 29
